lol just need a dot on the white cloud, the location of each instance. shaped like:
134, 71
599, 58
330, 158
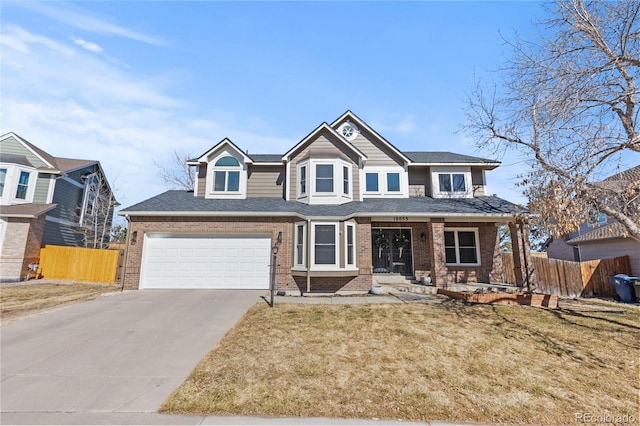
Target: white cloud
88, 45
76, 18
72, 103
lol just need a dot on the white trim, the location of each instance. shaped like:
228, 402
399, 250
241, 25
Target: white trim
205, 158
347, 265
12, 180
325, 267
212, 168
383, 191
51, 189
457, 246
354, 118
435, 182
287, 192
305, 246
310, 136
337, 195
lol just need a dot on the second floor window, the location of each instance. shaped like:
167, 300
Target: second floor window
452, 182
303, 180
226, 175
393, 182
324, 178
372, 182
3, 179
345, 181
23, 185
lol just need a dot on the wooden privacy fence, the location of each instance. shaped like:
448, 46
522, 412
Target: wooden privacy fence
571, 279
80, 264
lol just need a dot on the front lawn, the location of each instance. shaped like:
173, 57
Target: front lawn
447, 362
19, 300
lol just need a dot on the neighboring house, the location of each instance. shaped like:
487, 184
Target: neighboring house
45, 200
601, 237
344, 207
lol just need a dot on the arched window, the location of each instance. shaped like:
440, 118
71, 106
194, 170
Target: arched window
226, 175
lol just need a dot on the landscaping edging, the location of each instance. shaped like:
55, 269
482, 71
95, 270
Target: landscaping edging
536, 300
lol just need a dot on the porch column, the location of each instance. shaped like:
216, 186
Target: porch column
437, 252
522, 263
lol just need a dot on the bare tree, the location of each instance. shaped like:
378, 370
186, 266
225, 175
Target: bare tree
177, 174
568, 105
95, 214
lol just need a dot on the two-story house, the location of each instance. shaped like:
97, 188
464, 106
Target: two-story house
343, 208
46, 200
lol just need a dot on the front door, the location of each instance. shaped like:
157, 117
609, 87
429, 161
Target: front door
392, 251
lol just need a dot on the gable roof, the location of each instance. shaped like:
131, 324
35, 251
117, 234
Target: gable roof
323, 127
362, 124
225, 141
56, 164
606, 232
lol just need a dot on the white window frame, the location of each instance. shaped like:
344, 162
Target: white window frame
337, 195
241, 193
383, 184
300, 250
348, 265
435, 182
457, 245
334, 266
12, 179
303, 193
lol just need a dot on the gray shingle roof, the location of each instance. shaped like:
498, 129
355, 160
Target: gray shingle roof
444, 157
184, 203
266, 158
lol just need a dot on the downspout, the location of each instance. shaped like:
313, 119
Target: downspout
308, 255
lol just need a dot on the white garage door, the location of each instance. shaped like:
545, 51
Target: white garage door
178, 261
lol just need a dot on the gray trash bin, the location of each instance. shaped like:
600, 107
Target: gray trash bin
624, 287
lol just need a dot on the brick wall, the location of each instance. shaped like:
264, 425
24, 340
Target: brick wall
21, 247
217, 225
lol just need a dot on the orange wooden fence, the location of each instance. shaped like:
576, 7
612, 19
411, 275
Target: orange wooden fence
570, 279
79, 264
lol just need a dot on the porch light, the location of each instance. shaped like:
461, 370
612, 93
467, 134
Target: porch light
423, 237
279, 239
134, 237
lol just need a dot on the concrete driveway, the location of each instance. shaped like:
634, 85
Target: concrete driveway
122, 353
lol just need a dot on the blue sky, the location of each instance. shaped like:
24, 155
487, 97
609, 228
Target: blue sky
126, 82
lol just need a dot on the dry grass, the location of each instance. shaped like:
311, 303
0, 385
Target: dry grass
447, 362
19, 300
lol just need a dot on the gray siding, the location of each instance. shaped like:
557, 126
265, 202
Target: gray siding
324, 147
69, 198
477, 180
613, 248
266, 181
377, 153
61, 235
419, 181
12, 146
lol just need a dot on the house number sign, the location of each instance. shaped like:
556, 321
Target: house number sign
401, 219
